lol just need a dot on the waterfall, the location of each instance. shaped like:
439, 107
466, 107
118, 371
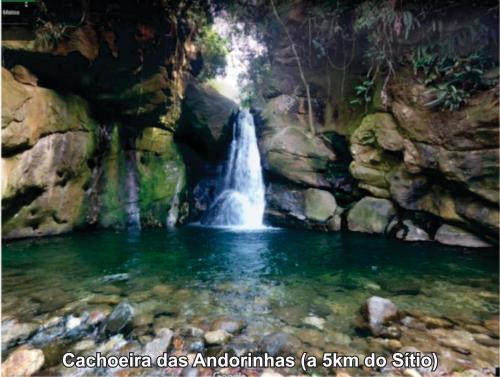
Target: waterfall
239, 201
133, 211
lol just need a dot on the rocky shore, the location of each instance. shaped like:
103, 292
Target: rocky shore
150, 323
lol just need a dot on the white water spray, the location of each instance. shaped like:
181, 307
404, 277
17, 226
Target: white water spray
240, 199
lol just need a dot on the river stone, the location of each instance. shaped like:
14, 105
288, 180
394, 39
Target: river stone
412, 233
317, 322
143, 319
13, 332
320, 205
492, 326
377, 311
231, 326
217, 337
159, 345
120, 319
370, 215
280, 343
162, 290
84, 345
454, 236
104, 299
23, 362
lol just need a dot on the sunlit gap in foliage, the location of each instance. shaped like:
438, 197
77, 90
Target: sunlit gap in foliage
244, 46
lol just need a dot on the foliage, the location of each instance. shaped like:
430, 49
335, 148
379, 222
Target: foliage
364, 92
257, 75
452, 79
214, 50
384, 26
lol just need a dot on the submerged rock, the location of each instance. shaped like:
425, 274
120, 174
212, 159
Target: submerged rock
217, 337
377, 311
14, 332
159, 345
370, 215
317, 322
452, 235
231, 326
276, 344
120, 319
23, 362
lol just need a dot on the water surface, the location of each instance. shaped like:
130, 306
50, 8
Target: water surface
272, 279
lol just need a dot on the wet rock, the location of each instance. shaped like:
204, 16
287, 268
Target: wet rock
311, 337
243, 344
412, 233
452, 235
84, 345
73, 322
320, 205
23, 362
196, 346
485, 340
317, 322
231, 326
217, 337
98, 316
142, 320
280, 343
159, 345
120, 319
162, 290
53, 329
108, 289
53, 353
492, 326
291, 315
377, 311
114, 343
105, 299
370, 215
434, 322
14, 332
51, 299
123, 276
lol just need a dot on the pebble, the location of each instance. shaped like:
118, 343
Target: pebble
317, 322
231, 326
217, 337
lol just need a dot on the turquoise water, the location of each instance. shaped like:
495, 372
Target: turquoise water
272, 279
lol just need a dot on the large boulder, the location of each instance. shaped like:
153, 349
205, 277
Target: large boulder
320, 205
206, 120
289, 152
452, 235
291, 205
370, 215
46, 144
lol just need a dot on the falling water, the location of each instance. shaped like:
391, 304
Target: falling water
133, 211
240, 199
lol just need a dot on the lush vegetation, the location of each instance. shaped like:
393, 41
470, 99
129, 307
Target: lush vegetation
213, 50
452, 79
